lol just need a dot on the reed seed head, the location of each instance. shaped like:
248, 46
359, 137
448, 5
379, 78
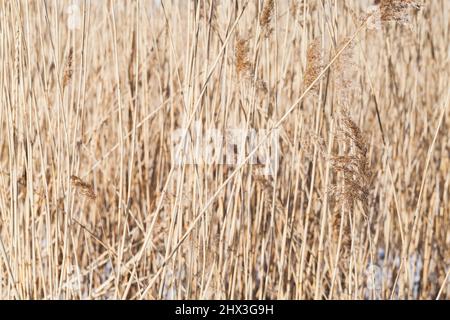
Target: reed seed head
314, 65
243, 64
397, 10
68, 70
83, 188
266, 16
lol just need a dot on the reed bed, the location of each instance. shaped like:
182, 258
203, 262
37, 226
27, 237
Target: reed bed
94, 206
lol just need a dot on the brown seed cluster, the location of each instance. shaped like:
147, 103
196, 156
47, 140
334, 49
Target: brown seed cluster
266, 16
397, 10
83, 188
243, 64
354, 165
68, 70
314, 65
355, 176
351, 165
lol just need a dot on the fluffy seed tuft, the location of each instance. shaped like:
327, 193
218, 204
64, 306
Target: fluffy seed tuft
397, 10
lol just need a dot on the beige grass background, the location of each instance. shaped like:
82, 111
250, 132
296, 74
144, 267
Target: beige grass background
92, 207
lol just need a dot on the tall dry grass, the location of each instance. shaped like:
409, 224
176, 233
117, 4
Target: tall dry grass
92, 205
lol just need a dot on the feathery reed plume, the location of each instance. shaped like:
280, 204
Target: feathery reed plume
83, 188
372, 17
355, 179
344, 72
352, 165
243, 64
68, 71
266, 16
314, 65
397, 10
